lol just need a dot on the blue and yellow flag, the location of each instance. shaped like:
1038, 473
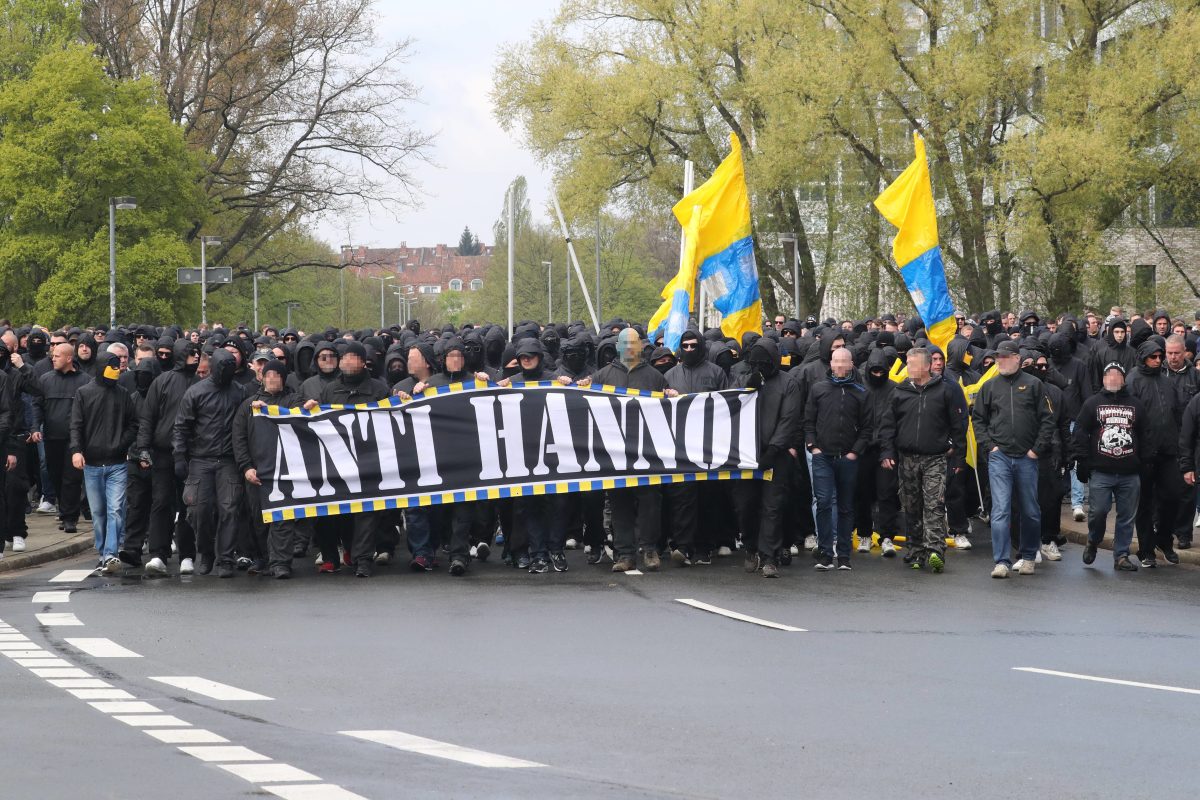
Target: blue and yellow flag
719, 250
970, 392
908, 204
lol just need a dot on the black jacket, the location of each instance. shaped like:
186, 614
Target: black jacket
1012, 412
103, 423
1110, 433
241, 422
929, 419
204, 424
345, 390
157, 417
703, 377
879, 401
58, 396
836, 418
1075, 382
1161, 400
19, 382
780, 425
642, 376
1189, 436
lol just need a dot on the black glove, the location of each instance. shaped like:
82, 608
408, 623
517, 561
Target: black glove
755, 381
181, 469
770, 456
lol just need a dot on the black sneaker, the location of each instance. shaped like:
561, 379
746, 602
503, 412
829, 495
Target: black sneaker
523, 561
558, 561
362, 571
132, 559
843, 563
281, 573
1089, 553
785, 556
1183, 544
204, 565
539, 566
1170, 555
257, 567
482, 551
70, 527
1149, 563
244, 563
458, 566
1125, 564
702, 559
824, 562
226, 571
596, 556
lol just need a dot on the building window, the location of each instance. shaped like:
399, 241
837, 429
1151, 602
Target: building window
456, 285
1108, 287
431, 290
1145, 286
476, 285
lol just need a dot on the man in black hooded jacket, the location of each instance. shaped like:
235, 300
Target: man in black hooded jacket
1161, 479
1115, 348
168, 517
202, 449
877, 501
139, 481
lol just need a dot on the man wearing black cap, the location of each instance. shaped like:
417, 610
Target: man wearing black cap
202, 451
272, 542
102, 429
1013, 424
1107, 445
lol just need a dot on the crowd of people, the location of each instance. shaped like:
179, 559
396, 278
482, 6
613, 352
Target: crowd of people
867, 426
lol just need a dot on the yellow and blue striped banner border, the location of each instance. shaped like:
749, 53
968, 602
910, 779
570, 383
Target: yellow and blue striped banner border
462, 386
503, 492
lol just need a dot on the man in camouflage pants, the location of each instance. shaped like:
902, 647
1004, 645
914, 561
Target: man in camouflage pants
928, 428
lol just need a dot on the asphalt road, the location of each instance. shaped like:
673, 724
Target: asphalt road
902, 684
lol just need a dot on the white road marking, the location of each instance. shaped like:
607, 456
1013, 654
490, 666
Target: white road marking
71, 576
52, 620
186, 736
152, 721
6, 647
224, 753
1136, 684
52, 597
79, 683
432, 747
55, 672
125, 707
43, 662
101, 648
312, 791
38, 653
102, 694
268, 773
634, 572
13, 637
203, 686
741, 617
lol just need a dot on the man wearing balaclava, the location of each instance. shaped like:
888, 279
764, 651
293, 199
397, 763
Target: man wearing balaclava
156, 420
636, 511
877, 502
202, 453
1051, 463
273, 543
139, 480
760, 504
103, 425
354, 384
693, 373
52, 423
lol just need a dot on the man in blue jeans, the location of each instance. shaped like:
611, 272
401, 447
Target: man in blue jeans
1108, 445
103, 426
1014, 425
836, 432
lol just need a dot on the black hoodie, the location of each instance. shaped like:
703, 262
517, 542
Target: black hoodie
204, 425
1108, 352
694, 372
780, 425
1110, 433
1075, 383
103, 421
1161, 401
157, 414
315, 384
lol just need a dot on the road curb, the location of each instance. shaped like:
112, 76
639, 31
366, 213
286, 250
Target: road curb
79, 543
1076, 533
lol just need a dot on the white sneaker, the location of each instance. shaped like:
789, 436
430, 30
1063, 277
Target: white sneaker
112, 565
1016, 567
186, 567
1, 556
46, 508
1051, 552
961, 542
18, 544
155, 566
1026, 568
571, 544
319, 560
1196, 520
1001, 570
864, 545
887, 549
174, 547
810, 542
1037, 558
587, 549
1077, 512
794, 550
724, 552
383, 557
474, 551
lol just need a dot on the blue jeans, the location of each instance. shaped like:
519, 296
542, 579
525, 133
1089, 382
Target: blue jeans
1103, 489
833, 489
1007, 474
105, 487
1076, 484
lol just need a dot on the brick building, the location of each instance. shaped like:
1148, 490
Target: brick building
424, 270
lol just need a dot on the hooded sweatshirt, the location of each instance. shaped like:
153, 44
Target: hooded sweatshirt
204, 425
1161, 401
103, 419
694, 372
157, 413
1110, 433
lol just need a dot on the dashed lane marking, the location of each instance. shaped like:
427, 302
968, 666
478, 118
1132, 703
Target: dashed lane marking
125, 707
101, 648
58, 620
224, 753
431, 747
724, 612
186, 736
101, 694
207, 688
71, 576
152, 721
268, 773
1097, 679
312, 791
51, 597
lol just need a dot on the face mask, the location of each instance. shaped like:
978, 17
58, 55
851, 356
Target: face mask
396, 373
694, 356
190, 369
144, 378
473, 354
37, 347
876, 379
574, 359
664, 367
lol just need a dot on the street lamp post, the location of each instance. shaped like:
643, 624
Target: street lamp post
258, 276
382, 283
290, 305
549, 265
115, 204
568, 319
204, 242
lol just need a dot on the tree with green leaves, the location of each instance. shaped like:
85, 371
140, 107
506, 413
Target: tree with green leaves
468, 245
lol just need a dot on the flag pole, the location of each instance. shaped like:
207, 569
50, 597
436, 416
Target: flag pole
562, 224
689, 180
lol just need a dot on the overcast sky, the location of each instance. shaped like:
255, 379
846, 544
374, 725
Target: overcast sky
455, 50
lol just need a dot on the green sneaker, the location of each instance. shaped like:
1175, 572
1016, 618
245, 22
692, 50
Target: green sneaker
917, 563
936, 562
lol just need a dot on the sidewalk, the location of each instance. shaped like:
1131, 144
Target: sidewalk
1076, 533
47, 543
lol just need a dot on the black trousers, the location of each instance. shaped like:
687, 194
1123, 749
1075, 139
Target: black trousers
213, 495
956, 501
636, 519
1161, 488
274, 541
1185, 514
168, 515
139, 491
329, 532
681, 504
16, 489
1050, 495
876, 498
759, 510
67, 481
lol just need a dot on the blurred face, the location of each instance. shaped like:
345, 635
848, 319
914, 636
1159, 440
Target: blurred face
327, 360
62, 357
1113, 380
841, 363
1176, 355
351, 364
918, 367
455, 361
1008, 363
416, 362
273, 382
